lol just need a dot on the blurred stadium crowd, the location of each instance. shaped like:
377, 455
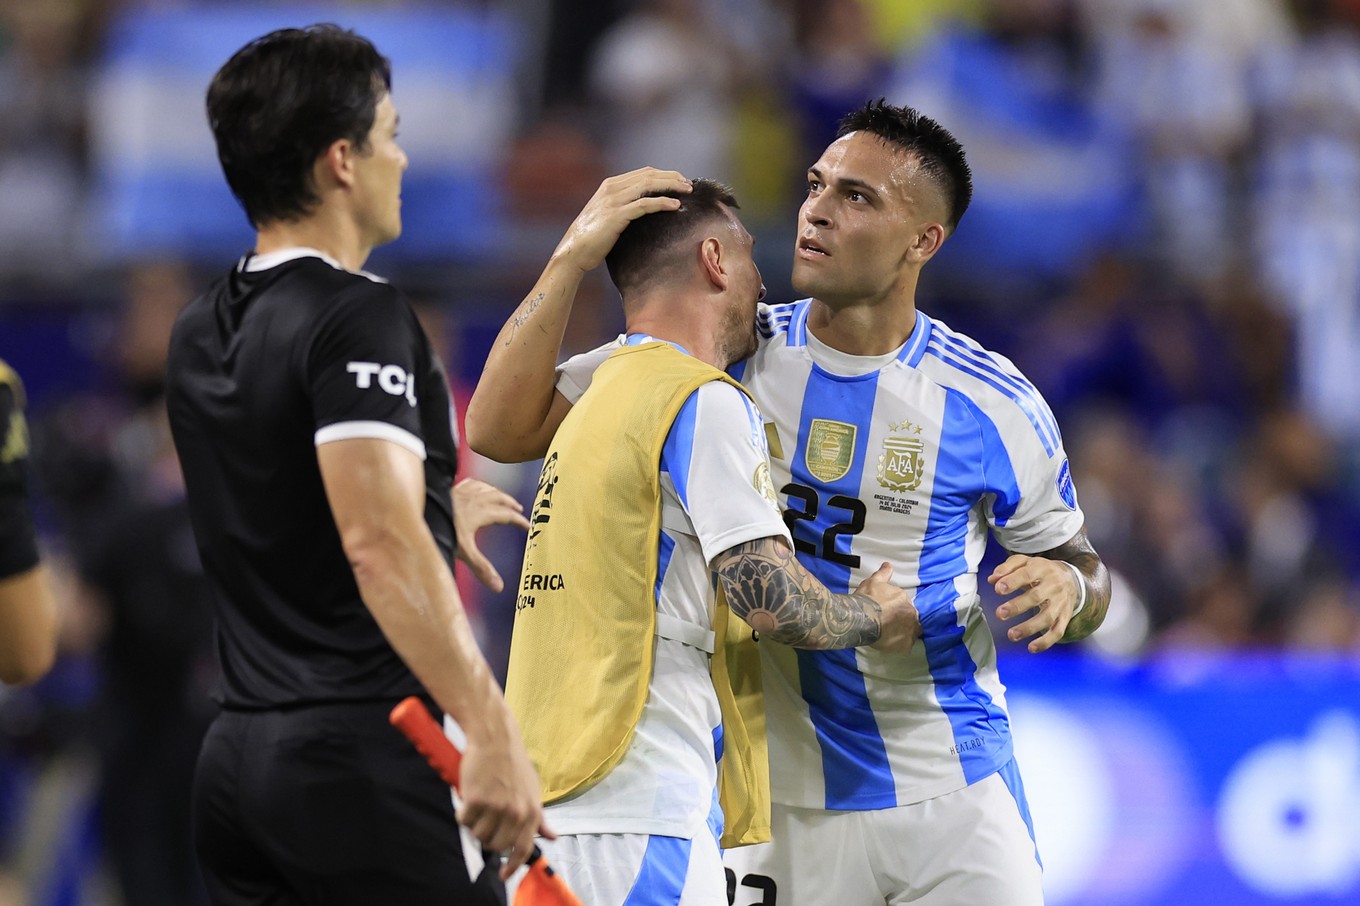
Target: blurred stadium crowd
1165, 238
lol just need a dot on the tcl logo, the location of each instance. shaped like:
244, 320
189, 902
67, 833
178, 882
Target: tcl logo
391, 378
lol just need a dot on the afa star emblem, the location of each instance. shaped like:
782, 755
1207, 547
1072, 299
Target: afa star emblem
901, 465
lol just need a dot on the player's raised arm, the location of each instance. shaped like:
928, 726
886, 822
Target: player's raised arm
515, 409
768, 588
1067, 587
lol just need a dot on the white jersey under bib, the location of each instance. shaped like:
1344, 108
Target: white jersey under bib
907, 458
715, 494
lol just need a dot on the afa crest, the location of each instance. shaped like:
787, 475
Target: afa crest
761, 482
830, 449
902, 464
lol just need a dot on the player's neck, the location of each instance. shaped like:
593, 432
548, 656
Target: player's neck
691, 337
334, 236
866, 329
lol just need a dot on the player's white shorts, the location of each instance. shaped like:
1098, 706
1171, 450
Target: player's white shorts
966, 848
639, 870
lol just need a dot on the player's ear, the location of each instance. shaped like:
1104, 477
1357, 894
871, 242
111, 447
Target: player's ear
926, 243
712, 262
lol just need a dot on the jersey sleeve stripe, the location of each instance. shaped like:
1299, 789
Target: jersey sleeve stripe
798, 324
1026, 404
980, 358
770, 326
678, 450
373, 430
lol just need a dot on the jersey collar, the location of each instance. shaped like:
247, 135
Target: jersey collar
253, 263
637, 339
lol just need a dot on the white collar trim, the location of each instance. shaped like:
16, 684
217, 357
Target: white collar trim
253, 263
845, 364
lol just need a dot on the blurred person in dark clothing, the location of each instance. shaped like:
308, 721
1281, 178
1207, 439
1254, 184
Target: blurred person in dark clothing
110, 472
158, 670
28, 612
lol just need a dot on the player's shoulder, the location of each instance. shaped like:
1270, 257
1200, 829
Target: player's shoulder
718, 412
945, 342
778, 322
989, 381
725, 406
958, 361
724, 394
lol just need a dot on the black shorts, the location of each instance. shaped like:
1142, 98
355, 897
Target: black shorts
327, 804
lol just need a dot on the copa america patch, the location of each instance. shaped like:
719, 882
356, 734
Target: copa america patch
1066, 490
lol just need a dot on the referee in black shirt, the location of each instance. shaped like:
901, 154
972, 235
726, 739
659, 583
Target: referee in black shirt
312, 421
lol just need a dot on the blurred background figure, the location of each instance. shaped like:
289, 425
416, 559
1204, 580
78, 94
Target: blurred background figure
664, 78
1306, 199
43, 151
1165, 233
28, 612
113, 480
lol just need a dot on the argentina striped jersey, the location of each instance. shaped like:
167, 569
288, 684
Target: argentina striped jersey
908, 458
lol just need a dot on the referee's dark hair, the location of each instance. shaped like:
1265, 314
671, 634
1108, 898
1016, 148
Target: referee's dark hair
638, 256
280, 101
940, 154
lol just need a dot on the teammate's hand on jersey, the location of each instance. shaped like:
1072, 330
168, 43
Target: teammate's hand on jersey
501, 796
476, 505
1039, 585
616, 203
901, 624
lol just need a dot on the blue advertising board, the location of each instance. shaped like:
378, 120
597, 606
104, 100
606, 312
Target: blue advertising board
1200, 779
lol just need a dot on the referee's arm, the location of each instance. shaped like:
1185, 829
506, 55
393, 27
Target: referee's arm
376, 490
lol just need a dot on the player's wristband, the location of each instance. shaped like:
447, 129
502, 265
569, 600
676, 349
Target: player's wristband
1081, 586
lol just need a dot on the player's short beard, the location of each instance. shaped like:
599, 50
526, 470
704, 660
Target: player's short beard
737, 334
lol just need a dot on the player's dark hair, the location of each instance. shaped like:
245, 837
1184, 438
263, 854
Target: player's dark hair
280, 101
939, 153
633, 260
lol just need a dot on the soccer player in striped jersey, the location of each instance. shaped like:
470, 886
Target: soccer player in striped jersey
633, 794
892, 438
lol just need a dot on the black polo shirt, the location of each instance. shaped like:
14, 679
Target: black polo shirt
287, 352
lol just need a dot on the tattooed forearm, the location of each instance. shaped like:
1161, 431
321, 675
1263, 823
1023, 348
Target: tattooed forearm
768, 588
522, 318
1079, 552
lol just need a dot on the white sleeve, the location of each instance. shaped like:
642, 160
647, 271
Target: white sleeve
1046, 513
574, 375
717, 458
